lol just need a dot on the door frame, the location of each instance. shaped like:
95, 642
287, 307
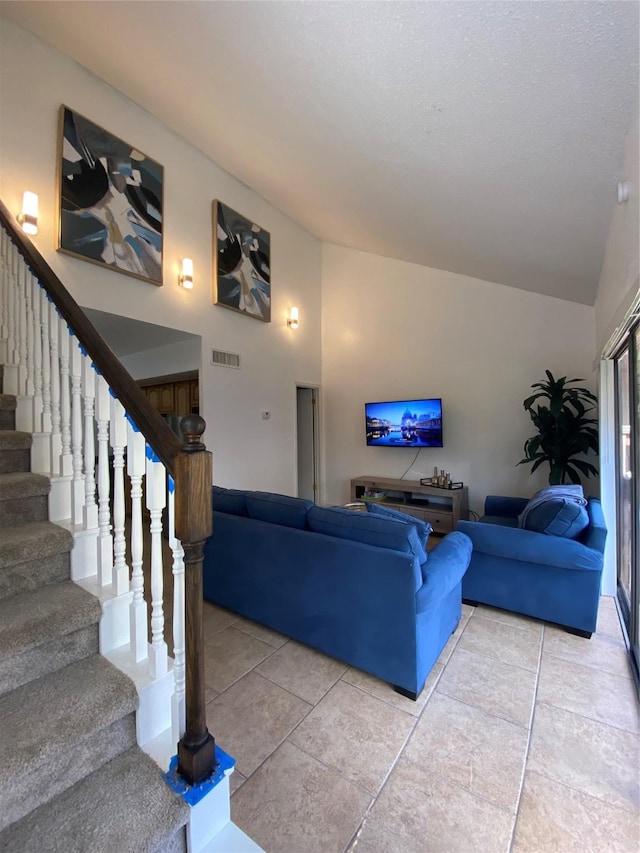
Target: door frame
315, 438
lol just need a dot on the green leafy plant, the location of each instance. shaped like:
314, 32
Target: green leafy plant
559, 413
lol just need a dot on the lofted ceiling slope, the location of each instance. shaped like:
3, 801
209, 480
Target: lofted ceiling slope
482, 138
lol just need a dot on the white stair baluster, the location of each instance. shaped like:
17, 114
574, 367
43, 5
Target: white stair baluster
90, 509
33, 288
64, 343
105, 539
24, 401
118, 439
156, 491
11, 370
25, 277
4, 331
178, 712
136, 466
77, 493
84, 557
46, 362
41, 442
17, 321
24, 410
56, 438
5, 349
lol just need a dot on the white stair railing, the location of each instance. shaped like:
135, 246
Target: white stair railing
101, 470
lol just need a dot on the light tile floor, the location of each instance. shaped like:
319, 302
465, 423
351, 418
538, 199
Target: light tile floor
525, 739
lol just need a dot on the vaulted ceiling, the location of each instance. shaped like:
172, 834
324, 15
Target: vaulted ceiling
484, 138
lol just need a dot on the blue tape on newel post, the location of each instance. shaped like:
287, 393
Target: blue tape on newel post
192, 794
172, 485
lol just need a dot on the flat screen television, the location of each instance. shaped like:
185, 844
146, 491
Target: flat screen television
404, 423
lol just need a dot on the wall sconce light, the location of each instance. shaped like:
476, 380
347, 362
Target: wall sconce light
29, 216
292, 320
186, 276
624, 188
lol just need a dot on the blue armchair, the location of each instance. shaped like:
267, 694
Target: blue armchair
549, 577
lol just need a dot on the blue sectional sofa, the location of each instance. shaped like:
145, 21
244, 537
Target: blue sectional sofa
541, 574
354, 585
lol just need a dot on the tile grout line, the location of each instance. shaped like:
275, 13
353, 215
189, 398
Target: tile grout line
354, 839
526, 755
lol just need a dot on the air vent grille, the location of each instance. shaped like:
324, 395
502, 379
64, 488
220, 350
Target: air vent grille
225, 359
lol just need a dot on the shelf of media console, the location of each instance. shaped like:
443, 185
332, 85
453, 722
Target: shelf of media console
441, 506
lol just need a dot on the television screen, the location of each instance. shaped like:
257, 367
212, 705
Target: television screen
404, 423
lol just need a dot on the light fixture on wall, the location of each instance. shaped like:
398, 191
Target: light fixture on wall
29, 216
293, 319
623, 191
186, 276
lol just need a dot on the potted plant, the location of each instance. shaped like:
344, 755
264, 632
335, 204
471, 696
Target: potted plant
559, 413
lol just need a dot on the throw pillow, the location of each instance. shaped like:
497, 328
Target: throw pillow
569, 492
558, 517
423, 528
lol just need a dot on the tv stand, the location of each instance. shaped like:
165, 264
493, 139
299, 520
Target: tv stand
442, 508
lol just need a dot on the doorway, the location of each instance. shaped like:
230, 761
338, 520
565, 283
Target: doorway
307, 433
627, 397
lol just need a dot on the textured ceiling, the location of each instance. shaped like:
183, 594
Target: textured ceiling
478, 137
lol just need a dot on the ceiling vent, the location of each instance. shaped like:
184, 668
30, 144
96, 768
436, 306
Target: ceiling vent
225, 359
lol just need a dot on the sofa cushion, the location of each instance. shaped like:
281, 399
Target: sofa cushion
231, 501
570, 492
558, 517
278, 509
423, 528
367, 528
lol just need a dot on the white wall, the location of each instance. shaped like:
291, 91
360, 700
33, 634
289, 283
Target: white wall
393, 330
179, 357
619, 277
248, 451
617, 288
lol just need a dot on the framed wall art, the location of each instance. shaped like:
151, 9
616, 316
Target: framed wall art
110, 200
241, 264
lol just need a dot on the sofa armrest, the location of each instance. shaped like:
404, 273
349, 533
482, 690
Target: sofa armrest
504, 506
444, 568
512, 543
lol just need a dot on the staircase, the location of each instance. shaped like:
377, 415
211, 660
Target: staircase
72, 778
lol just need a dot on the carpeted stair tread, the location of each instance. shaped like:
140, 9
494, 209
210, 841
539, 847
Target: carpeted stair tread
35, 618
20, 484
8, 402
59, 710
12, 439
58, 729
123, 806
33, 541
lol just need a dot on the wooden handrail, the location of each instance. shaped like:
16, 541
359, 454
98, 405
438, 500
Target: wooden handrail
150, 423
191, 467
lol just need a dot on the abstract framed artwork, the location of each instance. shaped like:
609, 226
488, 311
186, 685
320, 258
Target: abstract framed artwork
111, 200
241, 264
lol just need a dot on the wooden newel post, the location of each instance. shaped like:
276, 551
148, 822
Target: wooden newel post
193, 468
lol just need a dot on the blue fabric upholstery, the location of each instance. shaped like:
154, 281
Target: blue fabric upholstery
570, 492
548, 577
423, 528
373, 607
229, 500
558, 517
361, 527
278, 509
